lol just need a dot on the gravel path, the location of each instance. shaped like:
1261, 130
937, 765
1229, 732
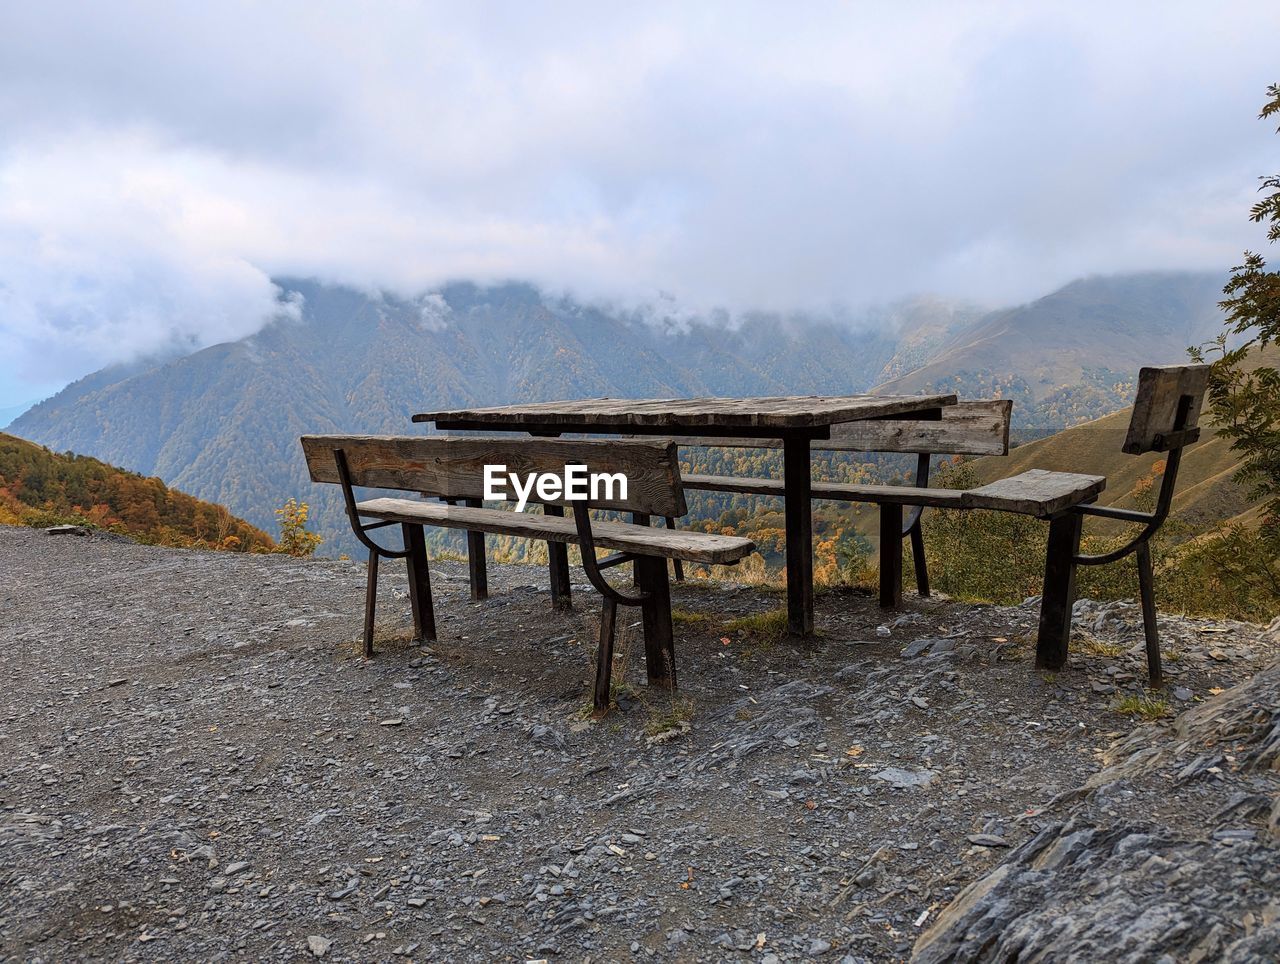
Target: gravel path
197, 766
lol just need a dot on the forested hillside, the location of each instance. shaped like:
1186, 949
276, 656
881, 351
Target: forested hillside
41, 488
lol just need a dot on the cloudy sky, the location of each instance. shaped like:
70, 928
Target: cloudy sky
159, 163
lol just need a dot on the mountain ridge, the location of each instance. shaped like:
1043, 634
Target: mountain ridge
223, 422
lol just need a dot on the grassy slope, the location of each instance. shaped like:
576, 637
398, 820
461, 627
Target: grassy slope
1206, 493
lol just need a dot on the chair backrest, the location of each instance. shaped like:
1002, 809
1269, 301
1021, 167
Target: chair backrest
965, 428
454, 467
1167, 408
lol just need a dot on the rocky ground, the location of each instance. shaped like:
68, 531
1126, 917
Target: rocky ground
198, 766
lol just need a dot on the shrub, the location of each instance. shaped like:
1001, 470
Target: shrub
295, 540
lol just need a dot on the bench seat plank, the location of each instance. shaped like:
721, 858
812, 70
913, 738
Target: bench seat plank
642, 540
836, 491
1035, 492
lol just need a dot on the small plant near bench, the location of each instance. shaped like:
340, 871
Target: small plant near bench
769, 626
676, 715
687, 617
1145, 706
1099, 647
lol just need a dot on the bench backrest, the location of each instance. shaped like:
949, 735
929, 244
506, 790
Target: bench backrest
1167, 408
454, 467
966, 428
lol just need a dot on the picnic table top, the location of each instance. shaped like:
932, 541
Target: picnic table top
768, 412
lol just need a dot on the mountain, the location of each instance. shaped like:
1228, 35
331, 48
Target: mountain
41, 488
223, 423
1073, 354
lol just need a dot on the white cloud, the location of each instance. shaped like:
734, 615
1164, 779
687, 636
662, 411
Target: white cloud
163, 161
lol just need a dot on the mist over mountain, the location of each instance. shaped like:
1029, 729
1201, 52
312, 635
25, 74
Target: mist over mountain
1073, 354
223, 423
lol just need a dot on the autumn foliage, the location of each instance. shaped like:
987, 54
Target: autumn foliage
42, 488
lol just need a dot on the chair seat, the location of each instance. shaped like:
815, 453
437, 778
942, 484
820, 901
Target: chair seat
1036, 492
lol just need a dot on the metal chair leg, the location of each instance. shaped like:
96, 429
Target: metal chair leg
677, 564
1059, 590
1147, 590
604, 657
917, 558
890, 556
370, 600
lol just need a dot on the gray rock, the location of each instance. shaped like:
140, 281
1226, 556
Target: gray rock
905, 779
987, 840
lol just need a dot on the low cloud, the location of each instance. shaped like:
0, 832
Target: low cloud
162, 162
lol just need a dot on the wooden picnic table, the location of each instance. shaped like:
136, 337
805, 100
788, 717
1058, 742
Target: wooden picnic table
797, 420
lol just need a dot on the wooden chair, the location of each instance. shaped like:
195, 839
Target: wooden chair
452, 469
1165, 416
1164, 420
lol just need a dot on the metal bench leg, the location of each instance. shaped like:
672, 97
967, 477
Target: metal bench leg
1147, 588
890, 556
1059, 590
676, 564
659, 640
424, 615
917, 558
370, 599
604, 657
558, 564
476, 567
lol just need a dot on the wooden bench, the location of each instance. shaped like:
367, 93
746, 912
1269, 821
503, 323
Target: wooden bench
452, 469
966, 428
1165, 418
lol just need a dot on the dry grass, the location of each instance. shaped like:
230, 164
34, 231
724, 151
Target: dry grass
669, 716
1145, 706
769, 626
682, 616
385, 640
1099, 647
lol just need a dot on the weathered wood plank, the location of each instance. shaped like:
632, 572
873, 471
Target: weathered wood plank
616, 414
442, 465
833, 491
1035, 492
640, 540
966, 428
1155, 409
